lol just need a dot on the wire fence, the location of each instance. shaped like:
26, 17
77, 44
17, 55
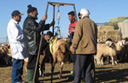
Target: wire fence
3, 40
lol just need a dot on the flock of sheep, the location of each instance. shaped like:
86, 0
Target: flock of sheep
117, 51
112, 51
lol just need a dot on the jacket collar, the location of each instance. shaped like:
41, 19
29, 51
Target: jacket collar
86, 17
14, 21
73, 21
30, 17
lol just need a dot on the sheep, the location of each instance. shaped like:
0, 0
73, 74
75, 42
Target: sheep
5, 53
106, 50
60, 53
125, 51
43, 57
46, 55
120, 49
25, 64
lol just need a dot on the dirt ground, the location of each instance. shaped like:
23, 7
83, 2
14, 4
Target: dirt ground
104, 74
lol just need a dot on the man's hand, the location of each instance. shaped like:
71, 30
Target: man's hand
72, 50
52, 23
44, 17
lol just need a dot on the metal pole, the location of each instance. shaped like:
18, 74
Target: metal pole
47, 8
53, 18
75, 12
38, 55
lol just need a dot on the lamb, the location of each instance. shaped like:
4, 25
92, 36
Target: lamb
60, 53
106, 50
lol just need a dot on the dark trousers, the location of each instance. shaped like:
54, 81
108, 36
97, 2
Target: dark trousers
17, 70
86, 62
73, 57
31, 61
31, 68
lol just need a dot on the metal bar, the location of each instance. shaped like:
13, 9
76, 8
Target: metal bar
37, 60
47, 8
75, 12
60, 4
53, 18
38, 55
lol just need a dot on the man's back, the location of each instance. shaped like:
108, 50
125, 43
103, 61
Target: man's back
85, 36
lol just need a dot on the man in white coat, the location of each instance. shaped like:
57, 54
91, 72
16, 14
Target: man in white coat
15, 37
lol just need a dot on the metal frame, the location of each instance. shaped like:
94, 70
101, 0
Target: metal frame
59, 4
53, 4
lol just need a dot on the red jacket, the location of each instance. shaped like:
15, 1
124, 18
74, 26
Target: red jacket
72, 27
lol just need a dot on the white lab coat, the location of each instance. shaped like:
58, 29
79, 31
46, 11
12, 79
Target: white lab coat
15, 37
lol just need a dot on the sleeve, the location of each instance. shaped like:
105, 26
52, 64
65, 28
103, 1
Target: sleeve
19, 37
17, 33
32, 25
77, 36
46, 27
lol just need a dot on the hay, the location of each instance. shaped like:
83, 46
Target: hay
106, 28
105, 32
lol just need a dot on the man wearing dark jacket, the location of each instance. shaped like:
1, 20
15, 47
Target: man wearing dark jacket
31, 32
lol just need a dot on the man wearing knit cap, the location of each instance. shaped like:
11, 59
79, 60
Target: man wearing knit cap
84, 46
31, 31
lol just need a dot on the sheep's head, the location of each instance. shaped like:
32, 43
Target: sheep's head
110, 44
62, 48
121, 43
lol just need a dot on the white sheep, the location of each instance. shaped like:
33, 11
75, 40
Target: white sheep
120, 49
104, 50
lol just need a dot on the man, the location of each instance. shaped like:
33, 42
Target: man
93, 66
84, 46
79, 15
15, 37
45, 47
31, 31
71, 30
71, 16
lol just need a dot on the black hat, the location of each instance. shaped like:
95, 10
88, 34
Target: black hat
49, 33
31, 9
16, 13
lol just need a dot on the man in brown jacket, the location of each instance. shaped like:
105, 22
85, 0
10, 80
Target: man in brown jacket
84, 46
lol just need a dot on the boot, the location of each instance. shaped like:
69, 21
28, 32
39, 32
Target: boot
30, 74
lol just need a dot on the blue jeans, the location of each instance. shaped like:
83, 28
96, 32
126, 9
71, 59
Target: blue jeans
17, 70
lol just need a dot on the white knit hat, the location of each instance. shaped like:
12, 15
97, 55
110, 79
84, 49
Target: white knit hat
84, 12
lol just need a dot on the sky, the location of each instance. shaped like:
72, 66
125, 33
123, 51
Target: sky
100, 11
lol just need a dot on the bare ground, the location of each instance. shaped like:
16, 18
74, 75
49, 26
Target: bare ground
104, 74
